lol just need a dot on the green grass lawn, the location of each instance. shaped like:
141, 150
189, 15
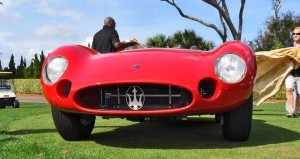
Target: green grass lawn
29, 132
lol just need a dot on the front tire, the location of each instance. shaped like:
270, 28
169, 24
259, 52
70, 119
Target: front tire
73, 127
16, 104
218, 118
236, 124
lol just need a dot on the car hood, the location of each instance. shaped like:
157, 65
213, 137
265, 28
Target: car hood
7, 94
149, 65
88, 66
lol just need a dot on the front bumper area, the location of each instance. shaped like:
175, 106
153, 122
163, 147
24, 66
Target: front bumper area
7, 101
160, 99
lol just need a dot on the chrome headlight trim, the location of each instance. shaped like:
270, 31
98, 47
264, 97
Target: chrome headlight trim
54, 69
230, 68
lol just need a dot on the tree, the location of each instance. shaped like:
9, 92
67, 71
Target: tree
183, 39
36, 67
225, 18
21, 68
0, 66
276, 5
24, 63
277, 33
188, 38
12, 66
29, 71
42, 59
159, 40
6, 70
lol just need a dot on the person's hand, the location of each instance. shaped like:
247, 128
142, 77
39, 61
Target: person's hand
135, 41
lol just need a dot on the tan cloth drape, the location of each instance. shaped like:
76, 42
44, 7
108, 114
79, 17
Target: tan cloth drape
272, 68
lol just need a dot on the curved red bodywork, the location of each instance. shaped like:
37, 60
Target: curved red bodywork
177, 67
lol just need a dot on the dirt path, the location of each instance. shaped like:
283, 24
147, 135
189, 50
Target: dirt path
31, 98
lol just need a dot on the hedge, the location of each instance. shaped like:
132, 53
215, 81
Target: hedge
28, 86
33, 86
280, 95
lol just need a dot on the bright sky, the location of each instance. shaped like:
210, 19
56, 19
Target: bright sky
29, 26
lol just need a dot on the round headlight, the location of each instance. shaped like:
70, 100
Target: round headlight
54, 69
230, 68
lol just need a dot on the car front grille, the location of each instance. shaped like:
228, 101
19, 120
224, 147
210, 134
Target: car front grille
134, 97
7, 101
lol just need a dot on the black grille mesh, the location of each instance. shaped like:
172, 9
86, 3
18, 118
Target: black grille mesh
117, 97
7, 101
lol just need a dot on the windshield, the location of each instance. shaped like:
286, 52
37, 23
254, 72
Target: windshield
6, 85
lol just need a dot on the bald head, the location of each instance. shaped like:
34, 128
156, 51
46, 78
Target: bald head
109, 21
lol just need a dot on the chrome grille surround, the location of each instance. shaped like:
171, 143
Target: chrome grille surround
116, 97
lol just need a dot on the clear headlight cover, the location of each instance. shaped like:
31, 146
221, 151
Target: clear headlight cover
230, 68
54, 69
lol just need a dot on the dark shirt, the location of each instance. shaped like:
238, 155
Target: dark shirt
104, 40
296, 72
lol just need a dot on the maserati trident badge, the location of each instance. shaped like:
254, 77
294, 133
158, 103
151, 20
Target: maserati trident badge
135, 97
136, 66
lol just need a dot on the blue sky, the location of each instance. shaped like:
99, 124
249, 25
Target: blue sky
29, 26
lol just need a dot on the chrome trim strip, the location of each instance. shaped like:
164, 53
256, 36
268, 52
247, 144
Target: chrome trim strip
108, 95
170, 95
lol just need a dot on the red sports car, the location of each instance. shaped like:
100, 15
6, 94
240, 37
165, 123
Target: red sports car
150, 83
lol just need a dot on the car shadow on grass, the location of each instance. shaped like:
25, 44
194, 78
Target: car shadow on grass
189, 134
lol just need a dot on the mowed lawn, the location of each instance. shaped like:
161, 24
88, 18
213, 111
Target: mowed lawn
29, 132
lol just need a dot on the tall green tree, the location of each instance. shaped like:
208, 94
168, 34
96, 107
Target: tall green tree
24, 63
12, 66
36, 66
42, 59
29, 71
0, 66
277, 32
21, 69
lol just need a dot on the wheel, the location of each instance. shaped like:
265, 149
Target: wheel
218, 118
236, 124
136, 119
73, 127
16, 104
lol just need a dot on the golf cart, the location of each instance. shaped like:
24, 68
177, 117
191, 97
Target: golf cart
7, 91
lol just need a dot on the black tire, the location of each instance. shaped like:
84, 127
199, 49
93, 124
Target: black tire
218, 118
16, 104
237, 124
73, 127
135, 119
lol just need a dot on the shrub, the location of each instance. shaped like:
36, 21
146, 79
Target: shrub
33, 86
28, 86
280, 95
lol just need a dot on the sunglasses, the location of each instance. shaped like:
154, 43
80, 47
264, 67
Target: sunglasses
296, 33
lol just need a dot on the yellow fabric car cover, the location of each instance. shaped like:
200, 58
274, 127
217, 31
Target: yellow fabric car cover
272, 68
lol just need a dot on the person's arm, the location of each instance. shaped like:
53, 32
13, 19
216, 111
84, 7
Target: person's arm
122, 45
94, 44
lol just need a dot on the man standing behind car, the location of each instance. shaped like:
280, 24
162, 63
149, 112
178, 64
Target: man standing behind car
107, 39
293, 78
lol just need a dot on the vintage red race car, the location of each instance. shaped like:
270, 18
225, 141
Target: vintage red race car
150, 83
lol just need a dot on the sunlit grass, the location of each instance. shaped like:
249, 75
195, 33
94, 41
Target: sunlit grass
29, 132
